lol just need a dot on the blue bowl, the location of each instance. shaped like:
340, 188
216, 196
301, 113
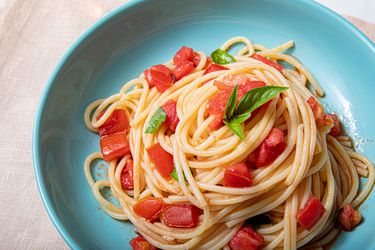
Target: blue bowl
143, 33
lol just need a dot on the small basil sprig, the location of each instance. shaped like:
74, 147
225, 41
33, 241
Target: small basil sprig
156, 120
253, 99
174, 174
219, 56
259, 220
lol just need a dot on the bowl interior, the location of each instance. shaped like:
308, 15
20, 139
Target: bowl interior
141, 34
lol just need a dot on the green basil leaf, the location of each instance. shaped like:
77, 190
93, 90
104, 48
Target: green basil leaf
255, 98
156, 120
242, 118
174, 174
219, 56
235, 126
259, 220
231, 104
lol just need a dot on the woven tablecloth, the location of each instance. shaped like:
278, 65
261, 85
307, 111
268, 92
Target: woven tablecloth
34, 34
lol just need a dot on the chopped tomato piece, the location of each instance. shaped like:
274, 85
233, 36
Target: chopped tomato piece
321, 118
162, 159
268, 150
267, 61
214, 67
114, 146
335, 130
118, 121
127, 181
310, 214
159, 76
140, 243
149, 208
183, 69
237, 175
185, 54
196, 59
349, 217
246, 238
182, 216
170, 108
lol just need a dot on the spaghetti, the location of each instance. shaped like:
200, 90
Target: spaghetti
316, 167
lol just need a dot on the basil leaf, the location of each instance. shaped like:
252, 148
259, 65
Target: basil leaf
235, 126
259, 220
156, 120
219, 56
255, 98
231, 104
174, 174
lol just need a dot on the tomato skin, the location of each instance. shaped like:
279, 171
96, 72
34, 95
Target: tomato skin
196, 59
170, 108
114, 146
348, 217
162, 159
140, 243
269, 62
180, 216
149, 208
321, 118
237, 175
118, 121
335, 130
183, 69
127, 181
246, 239
310, 213
159, 76
185, 54
214, 67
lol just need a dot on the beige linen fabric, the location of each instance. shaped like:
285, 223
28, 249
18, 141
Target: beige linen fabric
34, 34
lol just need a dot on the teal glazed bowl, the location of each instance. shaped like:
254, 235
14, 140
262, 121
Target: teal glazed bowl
143, 33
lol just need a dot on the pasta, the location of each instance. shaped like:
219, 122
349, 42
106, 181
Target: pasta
311, 163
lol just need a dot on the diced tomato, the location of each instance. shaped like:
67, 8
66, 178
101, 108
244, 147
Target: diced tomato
118, 121
140, 243
183, 69
310, 213
159, 76
181, 216
244, 88
196, 59
237, 175
335, 130
246, 239
321, 118
214, 67
349, 217
149, 208
268, 150
170, 108
162, 159
127, 181
185, 54
267, 61
114, 146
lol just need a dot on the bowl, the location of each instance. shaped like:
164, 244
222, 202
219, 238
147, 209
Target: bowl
143, 33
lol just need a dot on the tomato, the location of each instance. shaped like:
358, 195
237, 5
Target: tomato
310, 214
185, 54
114, 146
171, 110
214, 67
268, 150
196, 59
162, 159
181, 216
159, 76
149, 208
127, 181
118, 121
246, 239
140, 243
348, 217
237, 175
321, 118
183, 69
267, 61
335, 130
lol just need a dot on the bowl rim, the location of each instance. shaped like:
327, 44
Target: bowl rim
48, 204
